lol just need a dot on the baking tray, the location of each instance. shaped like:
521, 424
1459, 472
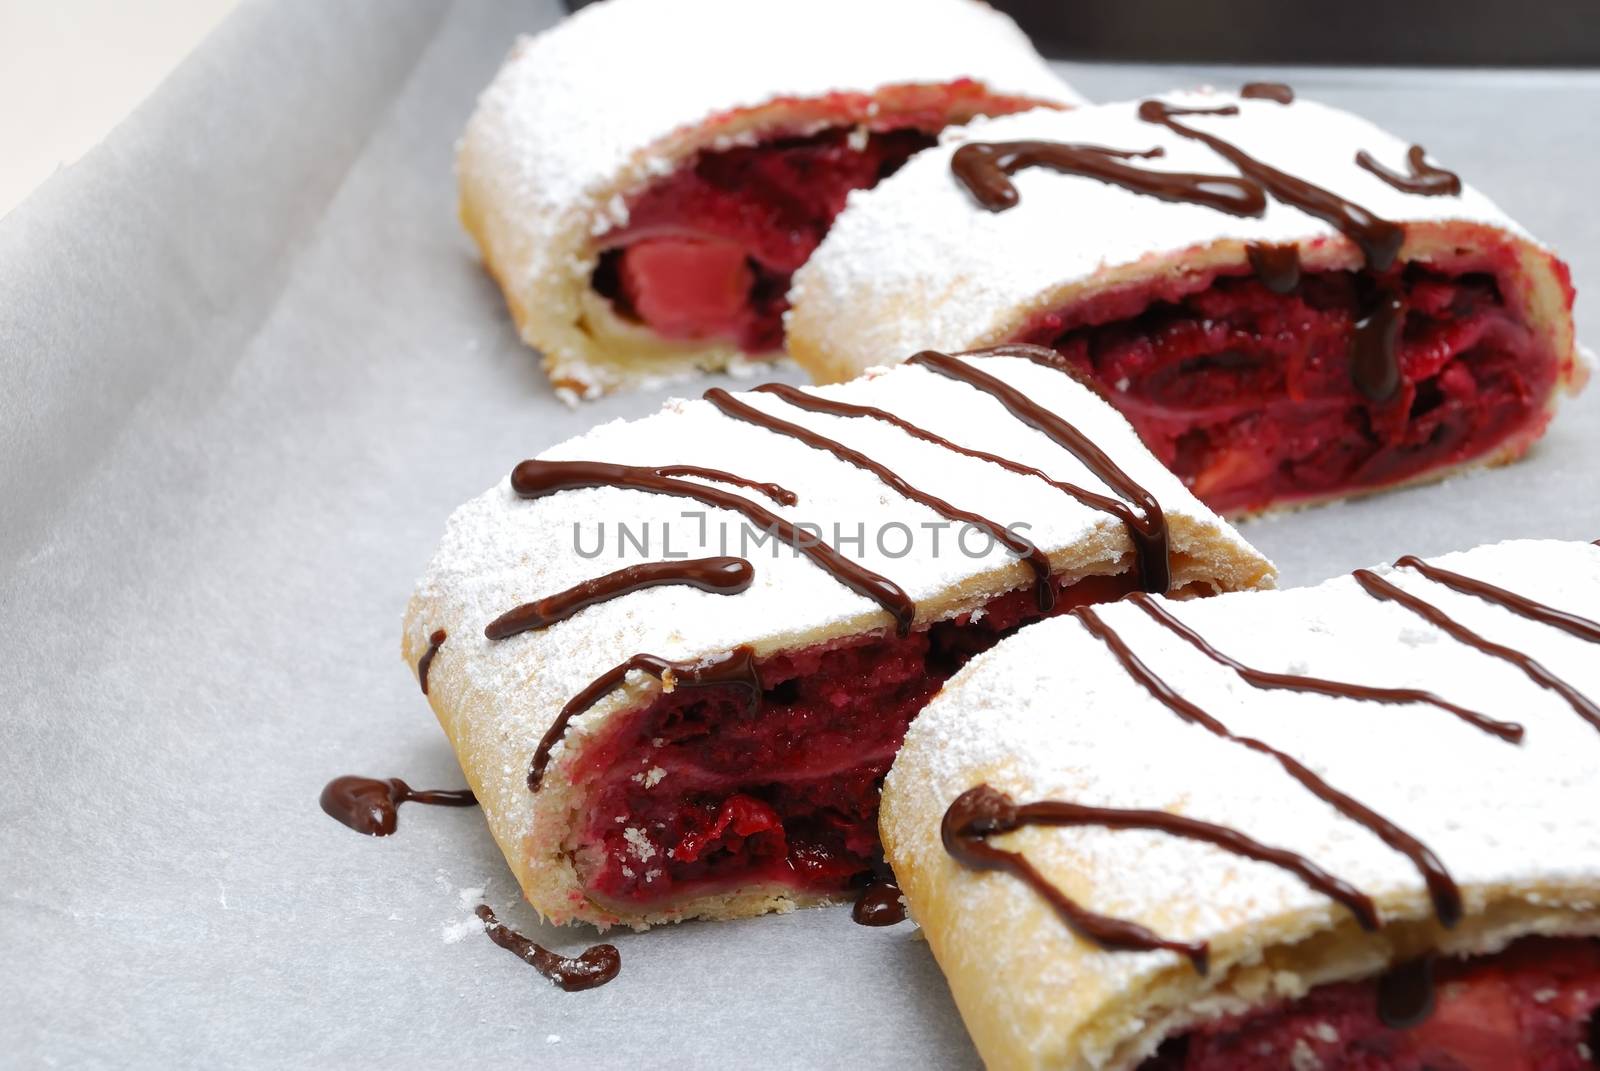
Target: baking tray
250, 364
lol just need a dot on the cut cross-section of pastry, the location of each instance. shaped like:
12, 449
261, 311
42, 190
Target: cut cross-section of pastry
676, 656
644, 178
1254, 832
1288, 303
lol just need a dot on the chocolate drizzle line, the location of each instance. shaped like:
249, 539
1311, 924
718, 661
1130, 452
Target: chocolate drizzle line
879, 905
730, 406
1405, 994
982, 812
1442, 888
1520, 605
1425, 180
595, 967
1147, 530
1379, 239
1273, 91
425, 663
803, 400
371, 805
781, 495
1379, 588
735, 669
985, 169
1277, 266
720, 575
1375, 342
535, 479
1293, 682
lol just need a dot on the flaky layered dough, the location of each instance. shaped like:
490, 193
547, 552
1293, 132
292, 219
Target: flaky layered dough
916, 262
495, 699
585, 115
1051, 714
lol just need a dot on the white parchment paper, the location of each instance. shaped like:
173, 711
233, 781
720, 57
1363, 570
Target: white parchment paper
249, 365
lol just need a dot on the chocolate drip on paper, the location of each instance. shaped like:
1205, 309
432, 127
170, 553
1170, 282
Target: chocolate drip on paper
1380, 588
985, 169
1425, 180
536, 479
1148, 530
1321, 686
879, 905
371, 805
730, 406
1379, 239
1405, 994
735, 669
1442, 888
982, 812
1277, 92
425, 663
594, 967
1521, 605
804, 400
1277, 266
719, 575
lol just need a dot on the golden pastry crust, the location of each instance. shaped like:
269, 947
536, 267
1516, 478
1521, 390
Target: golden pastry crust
563, 137
496, 699
1035, 996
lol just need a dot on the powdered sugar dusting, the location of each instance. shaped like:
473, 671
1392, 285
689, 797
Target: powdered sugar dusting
500, 550
916, 262
1050, 713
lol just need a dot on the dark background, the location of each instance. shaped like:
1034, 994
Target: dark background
1493, 33
1404, 32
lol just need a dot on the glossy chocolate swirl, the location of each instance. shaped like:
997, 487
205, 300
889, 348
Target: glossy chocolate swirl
983, 812
719, 575
1277, 92
536, 479
1405, 994
817, 404
985, 169
1521, 605
737, 669
425, 663
1147, 530
1425, 180
1379, 239
595, 967
1442, 889
730, 406
1380, 588
1294, 682
1375, 344
371, 805
1276, 266
879, 905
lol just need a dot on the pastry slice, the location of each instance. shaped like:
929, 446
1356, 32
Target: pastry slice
676, 656
1288, 303
1353, 827
644, 178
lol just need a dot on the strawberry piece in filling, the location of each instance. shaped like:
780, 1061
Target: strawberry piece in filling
1247, 395
1533, 1007
693, 794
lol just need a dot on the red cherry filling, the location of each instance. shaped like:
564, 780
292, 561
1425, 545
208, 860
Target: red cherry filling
1247, 395
694, 794
708, 250
1529, 1008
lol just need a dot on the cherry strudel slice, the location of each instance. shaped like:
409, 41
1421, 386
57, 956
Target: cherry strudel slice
1288, 303
644, 178
676, 656
1354, 827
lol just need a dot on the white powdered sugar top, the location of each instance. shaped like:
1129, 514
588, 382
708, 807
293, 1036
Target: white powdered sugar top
573, 105
918, 242
1051, 713
501, 550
